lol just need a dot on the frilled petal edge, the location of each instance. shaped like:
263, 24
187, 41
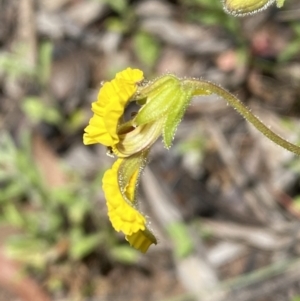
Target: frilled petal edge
122, 212
122, 215
109, 107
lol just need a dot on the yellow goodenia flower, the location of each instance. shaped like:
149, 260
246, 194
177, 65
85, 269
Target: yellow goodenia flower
163, 103
109, 107
119, 185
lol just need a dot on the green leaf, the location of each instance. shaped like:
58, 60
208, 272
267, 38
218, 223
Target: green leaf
38, 111
77, 211
191, 145
124, 254
291, 50
45, 60
14, 63
147, 48
12, 190
27, 249
115, 24
76, 121
183, 244
206, 3
119, 6
296, 202
82, 245
13, 215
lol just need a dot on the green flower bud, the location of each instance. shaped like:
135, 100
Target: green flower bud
246, 7
166, 99
159, 97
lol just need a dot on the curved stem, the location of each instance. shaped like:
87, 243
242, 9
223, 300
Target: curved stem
200, 86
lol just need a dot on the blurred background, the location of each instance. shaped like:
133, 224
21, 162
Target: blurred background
224, 201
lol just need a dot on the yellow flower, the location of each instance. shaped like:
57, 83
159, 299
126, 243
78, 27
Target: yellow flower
119, 185
141, 240
163, 103
109, 107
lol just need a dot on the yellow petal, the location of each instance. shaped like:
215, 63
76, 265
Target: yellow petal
122, 215
131, 75
96, 132
141, 240
98, 109
109, 107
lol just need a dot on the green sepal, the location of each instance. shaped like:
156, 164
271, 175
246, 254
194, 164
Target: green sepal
160, 95
175, 115
126, 171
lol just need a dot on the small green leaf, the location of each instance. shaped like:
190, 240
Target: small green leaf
206, 3
146, 48
77, 212
183, 244
15, 64
13, 216
27, 249
124, 254
115, 25
45, 59
118, 5
11, 191
76, 121
191, 145
37, 111
82, 245
291, 50
296, 202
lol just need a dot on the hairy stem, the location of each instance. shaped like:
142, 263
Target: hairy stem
201, 86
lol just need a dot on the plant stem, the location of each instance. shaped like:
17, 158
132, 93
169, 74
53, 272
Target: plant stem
201, 86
